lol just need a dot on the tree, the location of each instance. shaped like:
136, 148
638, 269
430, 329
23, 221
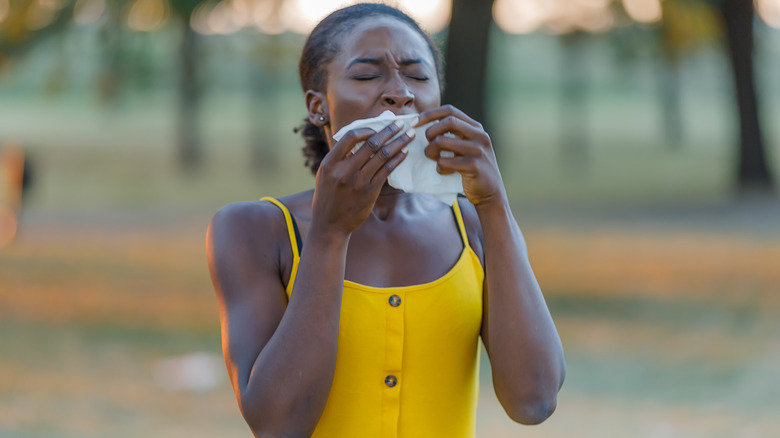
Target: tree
686, 26
466, 57
112, 68
574, 101
21, 29
264, 80
753, 173
190, 148
733, 21
689, 23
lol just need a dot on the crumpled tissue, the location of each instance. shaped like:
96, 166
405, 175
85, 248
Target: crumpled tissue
417, 173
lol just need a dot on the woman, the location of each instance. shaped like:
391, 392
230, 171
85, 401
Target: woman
354, 309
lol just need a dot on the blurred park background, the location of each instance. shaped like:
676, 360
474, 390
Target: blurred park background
639, 141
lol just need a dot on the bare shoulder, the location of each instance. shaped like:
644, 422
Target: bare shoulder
252, 237
473, 226
245, 224
255, 222
247, 245
245, 214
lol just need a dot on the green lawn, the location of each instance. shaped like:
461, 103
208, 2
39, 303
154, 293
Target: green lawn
663, 289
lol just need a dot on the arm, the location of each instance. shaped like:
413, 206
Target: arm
281, 356
518, 332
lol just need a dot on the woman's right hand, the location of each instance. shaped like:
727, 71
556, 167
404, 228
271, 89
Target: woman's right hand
347, 185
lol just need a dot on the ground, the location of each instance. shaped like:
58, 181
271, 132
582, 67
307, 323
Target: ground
669, 329
663, 286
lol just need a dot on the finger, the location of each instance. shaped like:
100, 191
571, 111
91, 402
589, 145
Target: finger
458, 146
462, 165
381, 175
376, 141
444, 111
342, 147
386, 152
444, 171
455, 126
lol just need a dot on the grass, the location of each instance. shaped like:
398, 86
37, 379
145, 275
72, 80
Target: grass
664, 291
683, 345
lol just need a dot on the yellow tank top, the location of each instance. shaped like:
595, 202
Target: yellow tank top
408, 357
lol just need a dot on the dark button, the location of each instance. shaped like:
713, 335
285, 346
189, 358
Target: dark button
391, 381
395, 300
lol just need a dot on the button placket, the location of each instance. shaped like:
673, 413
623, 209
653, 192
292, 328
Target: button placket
393, 373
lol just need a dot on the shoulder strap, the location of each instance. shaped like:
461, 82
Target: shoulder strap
459, 220
295, 241
292, 227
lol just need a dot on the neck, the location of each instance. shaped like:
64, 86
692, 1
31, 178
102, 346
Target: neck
389, 198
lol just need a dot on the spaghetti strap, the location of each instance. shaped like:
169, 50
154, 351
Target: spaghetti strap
292, 230
295, 240
461, 225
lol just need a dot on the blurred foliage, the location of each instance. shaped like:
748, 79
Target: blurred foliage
688, 24
27, 21
184, 8
686, 27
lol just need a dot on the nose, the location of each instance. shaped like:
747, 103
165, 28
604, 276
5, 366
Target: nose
398, 94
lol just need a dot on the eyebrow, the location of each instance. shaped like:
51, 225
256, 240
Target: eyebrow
377, 61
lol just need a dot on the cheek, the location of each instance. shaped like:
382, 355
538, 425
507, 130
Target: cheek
428, 98
346, 104
435, 100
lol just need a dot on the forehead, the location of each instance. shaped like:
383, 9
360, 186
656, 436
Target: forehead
382, 36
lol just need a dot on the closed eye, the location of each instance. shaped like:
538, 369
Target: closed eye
365, 77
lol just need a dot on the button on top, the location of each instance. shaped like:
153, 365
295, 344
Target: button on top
391, 381
395, 300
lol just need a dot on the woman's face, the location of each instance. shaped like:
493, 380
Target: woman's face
383, 65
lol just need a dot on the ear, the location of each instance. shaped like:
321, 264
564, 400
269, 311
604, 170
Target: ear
318, 108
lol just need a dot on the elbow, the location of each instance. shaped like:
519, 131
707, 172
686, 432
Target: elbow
262, 426
533, 409
272, 420
254, 419
259, 419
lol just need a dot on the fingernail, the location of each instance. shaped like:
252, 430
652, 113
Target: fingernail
415, 121
410, 133
405, 149
399, 124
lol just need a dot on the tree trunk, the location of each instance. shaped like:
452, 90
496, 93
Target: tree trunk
670, 102
264, 79
574, 105
753, 172
190, 153
112, 62
466, 57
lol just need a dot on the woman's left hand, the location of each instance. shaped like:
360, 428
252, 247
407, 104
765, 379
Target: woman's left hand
474, 157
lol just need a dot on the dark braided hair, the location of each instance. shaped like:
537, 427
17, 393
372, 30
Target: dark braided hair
321, 47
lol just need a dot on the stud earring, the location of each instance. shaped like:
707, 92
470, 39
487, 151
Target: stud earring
322, 118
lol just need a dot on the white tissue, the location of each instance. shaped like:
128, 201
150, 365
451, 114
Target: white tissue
417, 173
